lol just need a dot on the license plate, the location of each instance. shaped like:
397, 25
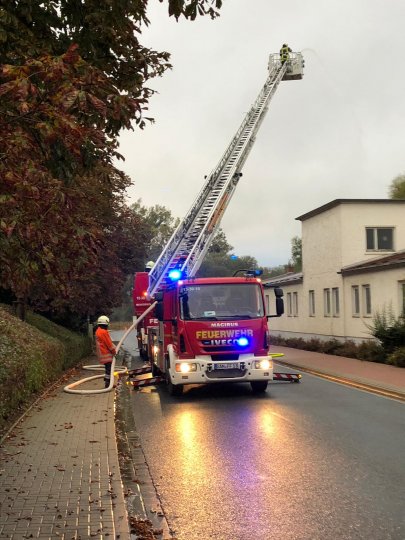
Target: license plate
228, 365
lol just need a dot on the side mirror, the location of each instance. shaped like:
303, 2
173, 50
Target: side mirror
279, 307
279, 293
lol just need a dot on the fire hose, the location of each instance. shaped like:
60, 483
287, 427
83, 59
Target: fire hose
115, 370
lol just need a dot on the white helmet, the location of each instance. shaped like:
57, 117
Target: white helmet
103, 320
149, 264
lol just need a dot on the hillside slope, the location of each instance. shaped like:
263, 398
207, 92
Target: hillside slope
32, 355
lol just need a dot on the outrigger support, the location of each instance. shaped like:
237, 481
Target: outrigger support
152, 381
290, 377
140, 383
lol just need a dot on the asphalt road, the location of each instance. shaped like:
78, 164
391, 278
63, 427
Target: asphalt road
308, 461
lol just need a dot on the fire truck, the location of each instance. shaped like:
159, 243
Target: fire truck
207, 330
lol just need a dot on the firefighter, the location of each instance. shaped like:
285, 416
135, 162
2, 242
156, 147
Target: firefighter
149, 265
285, 53
104, 347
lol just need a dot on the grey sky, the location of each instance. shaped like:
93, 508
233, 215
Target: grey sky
338, 133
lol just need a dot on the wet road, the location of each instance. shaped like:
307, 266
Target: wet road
314, 460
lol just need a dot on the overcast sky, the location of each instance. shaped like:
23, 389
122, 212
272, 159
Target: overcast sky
337, 133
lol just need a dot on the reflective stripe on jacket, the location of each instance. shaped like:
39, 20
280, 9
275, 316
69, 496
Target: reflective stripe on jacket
104, 346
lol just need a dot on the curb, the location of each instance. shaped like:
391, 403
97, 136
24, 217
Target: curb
353, 382
142, 500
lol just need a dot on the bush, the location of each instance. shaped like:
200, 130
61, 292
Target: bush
367, 350
76, 346
331, 347
371, 351
313, 344
349, 349
397, 358
389, 330
32, 356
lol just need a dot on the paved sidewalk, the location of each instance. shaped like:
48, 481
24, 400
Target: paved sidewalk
59, 471
378, 376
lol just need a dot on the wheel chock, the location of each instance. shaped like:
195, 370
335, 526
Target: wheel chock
290, 377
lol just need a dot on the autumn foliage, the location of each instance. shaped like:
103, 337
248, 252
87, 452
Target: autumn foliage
72, 76
61, 199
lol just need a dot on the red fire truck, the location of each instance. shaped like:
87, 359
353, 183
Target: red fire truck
211, 330
205, 330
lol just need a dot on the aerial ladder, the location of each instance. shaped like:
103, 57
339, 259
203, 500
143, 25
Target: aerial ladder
189, 243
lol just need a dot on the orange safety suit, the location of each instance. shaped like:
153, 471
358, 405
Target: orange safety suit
104, 346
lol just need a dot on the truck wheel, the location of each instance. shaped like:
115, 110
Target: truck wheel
258, 387
174, 389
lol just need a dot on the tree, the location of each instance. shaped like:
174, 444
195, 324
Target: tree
397, 187
220, 261
218, 265
107, 35
220, 244
50, 196
296, 253
73, 75
269, 272
159, 225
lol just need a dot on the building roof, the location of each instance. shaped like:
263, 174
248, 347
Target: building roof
337, 202
387, 262
290, 278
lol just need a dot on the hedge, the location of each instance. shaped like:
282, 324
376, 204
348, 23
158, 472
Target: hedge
32, 355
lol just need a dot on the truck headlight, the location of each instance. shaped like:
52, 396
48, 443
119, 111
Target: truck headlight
186, 367
263, 364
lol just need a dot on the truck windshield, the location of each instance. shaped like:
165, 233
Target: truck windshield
221, 301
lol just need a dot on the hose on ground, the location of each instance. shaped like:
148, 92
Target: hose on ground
115, 370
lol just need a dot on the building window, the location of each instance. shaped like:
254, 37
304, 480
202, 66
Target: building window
311, 303
295, 304
292, 304
403, 298
355, 301
335, 302
289, 305
379, 239
326, 302
366, 294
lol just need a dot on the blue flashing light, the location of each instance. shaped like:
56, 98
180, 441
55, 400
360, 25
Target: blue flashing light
234, 257
242, 341
175, 275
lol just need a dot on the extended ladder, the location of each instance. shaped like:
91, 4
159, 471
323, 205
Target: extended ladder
192, 238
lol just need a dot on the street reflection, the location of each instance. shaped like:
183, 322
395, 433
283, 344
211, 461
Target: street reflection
217, 469
266, 423
187, 429
190, 450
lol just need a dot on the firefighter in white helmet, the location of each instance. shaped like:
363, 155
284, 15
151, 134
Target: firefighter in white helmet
149, 265
104, 347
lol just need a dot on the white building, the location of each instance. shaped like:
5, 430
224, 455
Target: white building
353, 253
